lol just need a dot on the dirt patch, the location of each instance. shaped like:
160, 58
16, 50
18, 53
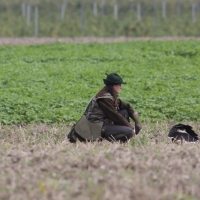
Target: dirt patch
32, 40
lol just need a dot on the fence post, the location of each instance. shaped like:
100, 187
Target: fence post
28, 17
197, 7
82, 17
131, 11
155, 12
23, 9
36, 22
115, 11
178, 8
103, 7
63, 8
164, 9
95, 9
193, 13
139, 15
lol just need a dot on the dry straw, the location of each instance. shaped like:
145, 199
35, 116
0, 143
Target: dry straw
37, 162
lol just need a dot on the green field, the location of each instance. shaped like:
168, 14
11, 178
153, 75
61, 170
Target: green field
54, 82
45, 88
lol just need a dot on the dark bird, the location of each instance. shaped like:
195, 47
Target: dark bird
183, 132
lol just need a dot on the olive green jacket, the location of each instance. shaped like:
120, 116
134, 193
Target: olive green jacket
101, 111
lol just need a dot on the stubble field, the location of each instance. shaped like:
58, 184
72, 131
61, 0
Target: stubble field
44, 89
37, 162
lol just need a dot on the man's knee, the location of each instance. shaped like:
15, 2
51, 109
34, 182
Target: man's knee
130, 133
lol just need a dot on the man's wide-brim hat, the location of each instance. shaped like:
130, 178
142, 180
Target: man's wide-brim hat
113, 79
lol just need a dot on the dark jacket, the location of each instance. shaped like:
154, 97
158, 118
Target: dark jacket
107, 105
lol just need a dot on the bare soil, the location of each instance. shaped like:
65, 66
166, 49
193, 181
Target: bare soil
32, 40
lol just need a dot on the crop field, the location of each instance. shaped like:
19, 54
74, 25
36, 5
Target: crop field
45, 88
53, 83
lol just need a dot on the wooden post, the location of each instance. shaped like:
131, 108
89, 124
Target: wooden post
82, 17
197, 7
164, 9
95, 9
193, 13
155, 12
131, 11
23, 9
28, 17
178, 8
102, 7
36, 22
63, 9
115, 12
139, 15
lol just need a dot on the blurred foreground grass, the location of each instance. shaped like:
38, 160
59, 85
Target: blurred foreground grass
37, 162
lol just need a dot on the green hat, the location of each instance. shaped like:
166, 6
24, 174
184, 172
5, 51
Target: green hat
113, 79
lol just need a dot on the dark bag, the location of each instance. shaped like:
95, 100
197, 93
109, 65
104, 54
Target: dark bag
183, 132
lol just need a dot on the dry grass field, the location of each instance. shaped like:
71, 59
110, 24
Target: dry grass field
37, 162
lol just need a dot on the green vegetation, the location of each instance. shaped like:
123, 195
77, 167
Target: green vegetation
54, 82
179, 19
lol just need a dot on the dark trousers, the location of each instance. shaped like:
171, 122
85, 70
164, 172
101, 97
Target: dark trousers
120, 133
